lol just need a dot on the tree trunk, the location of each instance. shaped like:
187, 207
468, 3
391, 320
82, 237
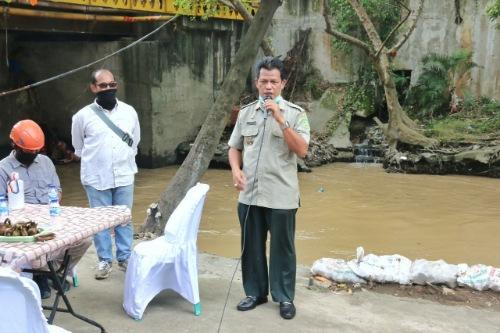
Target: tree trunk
400, 128
196, 163
240, 7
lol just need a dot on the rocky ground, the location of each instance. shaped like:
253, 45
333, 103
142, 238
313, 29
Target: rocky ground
478, 160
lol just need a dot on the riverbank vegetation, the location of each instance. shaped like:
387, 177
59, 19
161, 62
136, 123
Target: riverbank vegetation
438, 105
439, 102
449, 111
476, 119
380, 51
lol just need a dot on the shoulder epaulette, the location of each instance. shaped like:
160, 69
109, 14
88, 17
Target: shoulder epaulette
249, 104
295, 106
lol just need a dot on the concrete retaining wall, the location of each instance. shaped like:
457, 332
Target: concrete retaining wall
437, 32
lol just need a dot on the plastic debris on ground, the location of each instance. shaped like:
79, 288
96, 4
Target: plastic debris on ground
481, 277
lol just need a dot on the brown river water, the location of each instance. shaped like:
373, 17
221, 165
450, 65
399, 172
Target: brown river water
455, 218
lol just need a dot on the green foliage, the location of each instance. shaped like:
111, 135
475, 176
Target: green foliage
482, 106
476, 117
432, 94
430, 99
361, 95
456, 128
385, 14
402, 83
314, 85
493, 11
206, 8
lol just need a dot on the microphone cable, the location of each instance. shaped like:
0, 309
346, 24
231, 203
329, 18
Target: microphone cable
245, 220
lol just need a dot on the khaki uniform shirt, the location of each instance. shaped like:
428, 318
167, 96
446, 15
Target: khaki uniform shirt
276, 183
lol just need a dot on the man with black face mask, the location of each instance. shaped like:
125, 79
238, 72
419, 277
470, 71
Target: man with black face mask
37, 172
105, 135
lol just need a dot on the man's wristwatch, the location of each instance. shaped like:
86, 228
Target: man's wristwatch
285, 125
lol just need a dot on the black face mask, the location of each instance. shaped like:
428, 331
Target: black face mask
107, 99
24, 157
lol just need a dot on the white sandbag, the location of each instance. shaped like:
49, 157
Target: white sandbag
494, 282
436, 272
336, 270
390, 268
481, 277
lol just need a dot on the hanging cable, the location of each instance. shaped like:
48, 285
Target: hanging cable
39, 83
243, 229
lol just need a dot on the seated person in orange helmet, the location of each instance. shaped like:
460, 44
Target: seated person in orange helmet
37, 172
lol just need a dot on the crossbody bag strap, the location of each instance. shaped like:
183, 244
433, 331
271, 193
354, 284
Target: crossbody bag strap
118, 131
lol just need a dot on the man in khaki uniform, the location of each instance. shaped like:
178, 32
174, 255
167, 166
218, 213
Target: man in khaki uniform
268, 136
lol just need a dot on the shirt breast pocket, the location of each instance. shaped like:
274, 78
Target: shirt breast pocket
278, 141
250, 134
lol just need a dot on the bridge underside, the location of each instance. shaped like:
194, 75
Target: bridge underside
95, 17
54, 27
170, 78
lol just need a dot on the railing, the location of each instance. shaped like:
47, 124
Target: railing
166, 7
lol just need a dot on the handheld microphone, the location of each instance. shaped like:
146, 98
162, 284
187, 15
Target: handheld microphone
266, 113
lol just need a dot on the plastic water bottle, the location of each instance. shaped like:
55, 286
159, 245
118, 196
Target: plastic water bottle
4, 208
54, 207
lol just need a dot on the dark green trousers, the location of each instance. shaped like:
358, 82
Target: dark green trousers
280, 223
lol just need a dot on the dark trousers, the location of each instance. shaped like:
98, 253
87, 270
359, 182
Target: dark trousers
282, 262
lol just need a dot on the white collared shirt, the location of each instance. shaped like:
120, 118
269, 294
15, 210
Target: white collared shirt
106, 161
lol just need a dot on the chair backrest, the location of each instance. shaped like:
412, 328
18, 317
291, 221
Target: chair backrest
183, 224
20, 305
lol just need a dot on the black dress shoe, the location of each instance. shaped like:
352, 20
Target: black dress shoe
287, 310
250, 302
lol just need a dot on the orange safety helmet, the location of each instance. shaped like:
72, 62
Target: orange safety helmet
27, 135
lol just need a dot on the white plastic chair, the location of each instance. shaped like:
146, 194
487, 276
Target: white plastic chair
20, 305
167, 262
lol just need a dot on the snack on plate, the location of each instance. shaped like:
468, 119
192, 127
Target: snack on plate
28, 228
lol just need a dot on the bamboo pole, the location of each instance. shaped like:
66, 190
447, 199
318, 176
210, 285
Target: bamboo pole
83, 17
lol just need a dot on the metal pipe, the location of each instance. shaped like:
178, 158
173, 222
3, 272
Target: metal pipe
82, 16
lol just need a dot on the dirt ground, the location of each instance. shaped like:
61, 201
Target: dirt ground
440, 294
